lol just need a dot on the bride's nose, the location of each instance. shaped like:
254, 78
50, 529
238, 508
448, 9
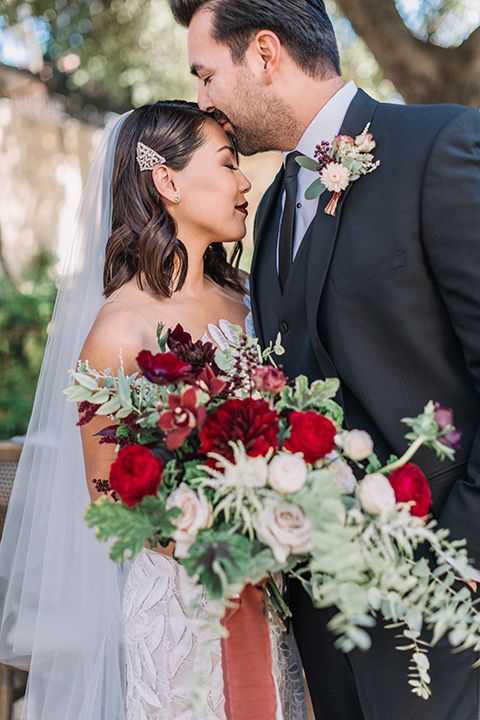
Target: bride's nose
244, 184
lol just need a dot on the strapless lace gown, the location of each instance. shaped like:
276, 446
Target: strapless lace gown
162, 642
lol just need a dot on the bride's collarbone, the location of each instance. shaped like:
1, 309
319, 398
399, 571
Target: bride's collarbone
193, 312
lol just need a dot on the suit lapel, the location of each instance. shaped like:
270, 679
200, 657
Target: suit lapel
324, 227
264, 225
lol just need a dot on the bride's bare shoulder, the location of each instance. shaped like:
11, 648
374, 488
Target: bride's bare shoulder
122, 326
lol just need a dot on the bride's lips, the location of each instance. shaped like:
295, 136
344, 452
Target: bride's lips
242, 208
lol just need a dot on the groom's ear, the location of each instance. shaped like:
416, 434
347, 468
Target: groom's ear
267, 51
162, 177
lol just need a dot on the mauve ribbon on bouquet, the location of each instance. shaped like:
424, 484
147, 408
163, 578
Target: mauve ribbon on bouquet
247, 659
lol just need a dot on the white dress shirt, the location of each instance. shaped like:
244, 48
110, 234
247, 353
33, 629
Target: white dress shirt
324, 126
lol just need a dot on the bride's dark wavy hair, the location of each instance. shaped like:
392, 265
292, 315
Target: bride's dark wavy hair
144, 240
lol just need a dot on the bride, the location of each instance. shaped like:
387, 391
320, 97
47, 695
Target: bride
177, 195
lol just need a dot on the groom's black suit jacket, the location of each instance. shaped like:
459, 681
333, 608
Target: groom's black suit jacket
387, 293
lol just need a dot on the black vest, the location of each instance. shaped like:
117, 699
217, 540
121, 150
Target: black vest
286, 313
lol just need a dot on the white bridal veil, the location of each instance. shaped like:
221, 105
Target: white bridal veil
60, 593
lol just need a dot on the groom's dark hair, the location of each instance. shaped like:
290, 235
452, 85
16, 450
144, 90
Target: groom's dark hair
302, 26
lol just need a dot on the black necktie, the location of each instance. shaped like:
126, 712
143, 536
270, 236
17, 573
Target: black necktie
287, 227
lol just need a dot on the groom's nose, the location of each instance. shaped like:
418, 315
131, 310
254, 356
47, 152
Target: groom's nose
204, 101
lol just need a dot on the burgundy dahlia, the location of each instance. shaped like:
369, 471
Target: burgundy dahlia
249, 421
197, 354
163, 368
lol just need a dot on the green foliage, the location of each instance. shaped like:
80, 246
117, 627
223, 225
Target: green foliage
24, 316
118, 53
317, 396
221, 560
133, 526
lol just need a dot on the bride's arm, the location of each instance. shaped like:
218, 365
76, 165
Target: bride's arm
117, 330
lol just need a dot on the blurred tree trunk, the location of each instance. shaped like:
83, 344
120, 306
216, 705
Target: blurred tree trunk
421, 71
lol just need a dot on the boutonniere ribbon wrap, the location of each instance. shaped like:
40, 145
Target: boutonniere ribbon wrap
338, 164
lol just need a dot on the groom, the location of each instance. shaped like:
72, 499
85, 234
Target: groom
384, 295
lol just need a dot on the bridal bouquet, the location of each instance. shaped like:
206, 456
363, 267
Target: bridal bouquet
250, 473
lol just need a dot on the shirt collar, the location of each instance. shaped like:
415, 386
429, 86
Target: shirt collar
327, 122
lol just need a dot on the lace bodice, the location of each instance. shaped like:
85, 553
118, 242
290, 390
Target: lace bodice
167, 642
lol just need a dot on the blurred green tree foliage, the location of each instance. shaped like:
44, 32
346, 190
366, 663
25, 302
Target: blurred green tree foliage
429, 49
25, 312
113, 53
122, 53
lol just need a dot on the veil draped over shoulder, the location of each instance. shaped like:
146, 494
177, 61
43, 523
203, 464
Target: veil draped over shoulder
60, 594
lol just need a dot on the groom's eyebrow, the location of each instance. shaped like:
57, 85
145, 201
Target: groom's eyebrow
195, 69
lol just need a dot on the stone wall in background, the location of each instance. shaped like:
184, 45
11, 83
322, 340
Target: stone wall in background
45, 156
44, 163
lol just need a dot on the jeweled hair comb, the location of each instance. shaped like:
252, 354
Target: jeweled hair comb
147, 158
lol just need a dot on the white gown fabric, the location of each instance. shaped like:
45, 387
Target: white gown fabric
164, 648
162, 639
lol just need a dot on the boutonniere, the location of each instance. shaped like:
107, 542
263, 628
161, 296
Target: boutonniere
339, 163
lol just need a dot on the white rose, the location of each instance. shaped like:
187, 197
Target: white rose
285, 528
197, 513
376, 495
357, 444
287, 472
344, 477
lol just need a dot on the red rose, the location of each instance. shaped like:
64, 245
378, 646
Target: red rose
163, 368
135, 474
409, 483
250, 421
312, 434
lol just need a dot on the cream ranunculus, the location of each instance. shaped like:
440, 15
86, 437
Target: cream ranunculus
357, 444
344, 477
285, 528
287, 472
376, 495
196, 514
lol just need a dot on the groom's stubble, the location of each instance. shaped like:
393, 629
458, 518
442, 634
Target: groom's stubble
261, 120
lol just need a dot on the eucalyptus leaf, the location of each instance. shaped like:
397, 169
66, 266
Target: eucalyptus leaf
307, 162
109, 407
86, 381
100, 397
77, 393
315, 190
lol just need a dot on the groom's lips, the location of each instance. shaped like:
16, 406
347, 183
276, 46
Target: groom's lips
242, 208
223, 121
